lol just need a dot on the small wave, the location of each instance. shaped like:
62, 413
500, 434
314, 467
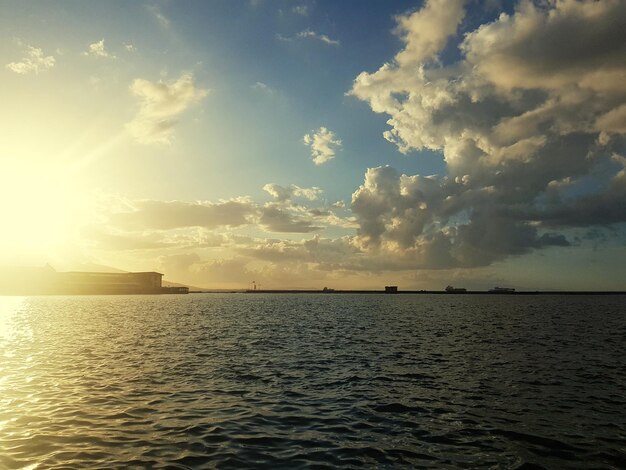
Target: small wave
398, 408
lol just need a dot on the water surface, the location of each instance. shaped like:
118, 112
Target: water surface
288, 381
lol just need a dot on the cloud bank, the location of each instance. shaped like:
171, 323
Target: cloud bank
530, 122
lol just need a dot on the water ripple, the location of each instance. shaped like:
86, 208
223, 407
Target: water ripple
310, 381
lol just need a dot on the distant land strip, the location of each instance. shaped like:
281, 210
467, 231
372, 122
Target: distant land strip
482, 292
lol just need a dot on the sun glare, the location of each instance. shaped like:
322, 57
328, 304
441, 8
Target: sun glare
41, 210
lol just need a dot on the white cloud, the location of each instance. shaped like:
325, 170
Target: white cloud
34, 62
324, 145
534, 48
168, 215
97, 50
282, 215
158, 15
285, 193
130, 47
301, 10
426, 31
308, 34
535, 99
264, 88
160, 106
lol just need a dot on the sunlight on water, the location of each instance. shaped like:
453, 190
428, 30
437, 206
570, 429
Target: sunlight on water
9, 307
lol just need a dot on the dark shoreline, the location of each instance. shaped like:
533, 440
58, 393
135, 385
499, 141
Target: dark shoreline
330, 292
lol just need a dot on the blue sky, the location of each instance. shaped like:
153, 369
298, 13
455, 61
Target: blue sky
312, 143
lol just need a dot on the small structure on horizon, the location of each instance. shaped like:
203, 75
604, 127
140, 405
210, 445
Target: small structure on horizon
391, 289
456, 290
502, 290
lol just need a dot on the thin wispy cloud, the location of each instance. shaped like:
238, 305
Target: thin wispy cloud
263, 88
34, 61
160, 106
324, 145
159, 16
307, 34
301, 10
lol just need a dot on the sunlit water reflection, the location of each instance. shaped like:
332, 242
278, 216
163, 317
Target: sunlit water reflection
238, 380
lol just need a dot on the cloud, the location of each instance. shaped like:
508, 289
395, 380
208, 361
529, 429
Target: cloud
324, 145
264, 88
527, 121
281, 216
308, 34
130, 47
426, 31
160, 106
107, 240
34, 62
572, 44
166, 215
97, 50
278, 219
321, 251
158, 15
285, 193
191, 268
301, 10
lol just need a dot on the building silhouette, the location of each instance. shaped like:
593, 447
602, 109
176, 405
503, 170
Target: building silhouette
47, 281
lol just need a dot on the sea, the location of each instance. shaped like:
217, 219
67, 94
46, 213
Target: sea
313, 381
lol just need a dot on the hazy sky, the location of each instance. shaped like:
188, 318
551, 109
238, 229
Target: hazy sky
347, 144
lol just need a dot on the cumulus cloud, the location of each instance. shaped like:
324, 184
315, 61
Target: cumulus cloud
34, 61
160, 106
97, 49
285, 193
324, 144
426, 31
527, 120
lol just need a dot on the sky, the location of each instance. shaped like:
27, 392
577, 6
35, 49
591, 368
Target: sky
314, 143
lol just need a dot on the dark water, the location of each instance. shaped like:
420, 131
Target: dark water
288, 381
